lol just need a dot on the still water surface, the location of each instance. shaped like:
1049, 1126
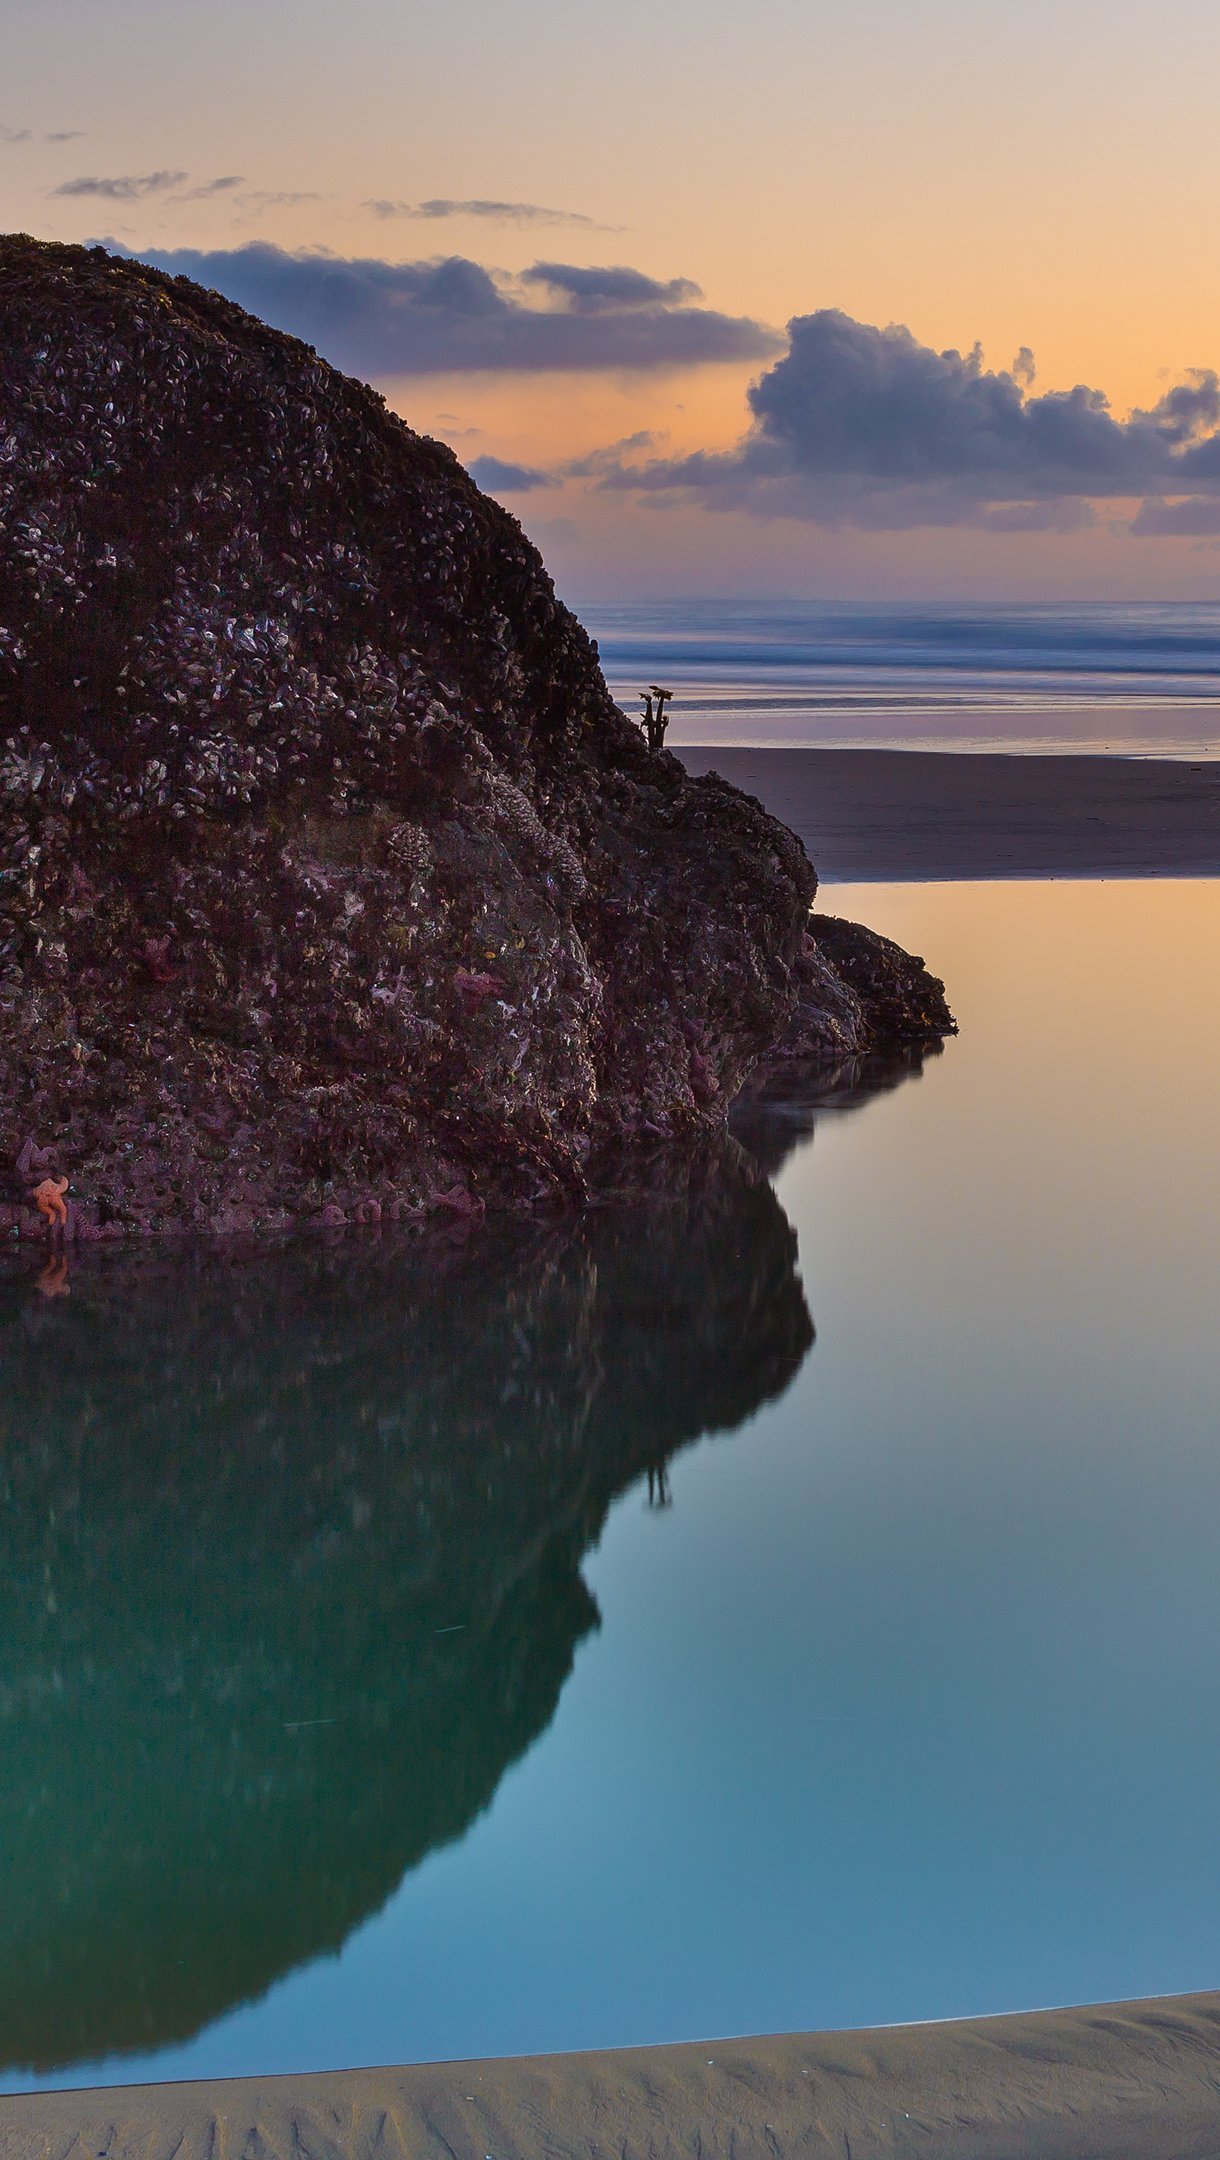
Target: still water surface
545, 1643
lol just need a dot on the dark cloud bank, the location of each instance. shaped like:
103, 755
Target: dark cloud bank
864, 426
376, 318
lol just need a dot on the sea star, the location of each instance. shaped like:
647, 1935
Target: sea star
49, 1199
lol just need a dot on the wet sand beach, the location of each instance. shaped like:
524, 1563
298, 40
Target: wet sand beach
907, 814
1134, 2081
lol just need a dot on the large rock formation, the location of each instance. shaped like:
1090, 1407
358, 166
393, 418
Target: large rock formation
332, 880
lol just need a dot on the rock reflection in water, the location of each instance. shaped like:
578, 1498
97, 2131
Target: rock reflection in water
290, 1552
778, 1109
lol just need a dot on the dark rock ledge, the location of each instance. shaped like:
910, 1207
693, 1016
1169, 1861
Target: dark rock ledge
333, 884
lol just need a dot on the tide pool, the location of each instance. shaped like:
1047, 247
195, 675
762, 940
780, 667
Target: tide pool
755, 1607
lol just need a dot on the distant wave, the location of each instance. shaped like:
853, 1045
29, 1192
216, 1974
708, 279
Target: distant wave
1142, 679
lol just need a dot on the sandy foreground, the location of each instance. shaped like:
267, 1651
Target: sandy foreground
897, 814
1132, 2081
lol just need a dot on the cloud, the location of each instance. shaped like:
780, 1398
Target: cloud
25, 134
1063, 514
1196, 516
595, 464
597, 292
223, 186
499, 213
864, 426
1191, 410
450, 315
278, 198
500, 478
122, 187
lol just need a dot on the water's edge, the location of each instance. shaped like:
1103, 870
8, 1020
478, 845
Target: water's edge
1096, 2083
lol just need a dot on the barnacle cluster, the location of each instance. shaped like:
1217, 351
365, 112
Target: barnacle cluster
296, 741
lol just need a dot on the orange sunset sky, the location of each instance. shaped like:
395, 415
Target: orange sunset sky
628, 205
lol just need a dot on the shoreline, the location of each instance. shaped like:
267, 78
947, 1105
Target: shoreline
899, 816
1103, 2082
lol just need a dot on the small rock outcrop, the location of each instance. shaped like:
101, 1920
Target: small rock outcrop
333, 883
858, 994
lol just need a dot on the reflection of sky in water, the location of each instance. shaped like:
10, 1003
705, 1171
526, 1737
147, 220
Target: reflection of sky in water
909, 1706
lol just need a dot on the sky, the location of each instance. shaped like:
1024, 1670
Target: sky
911, 298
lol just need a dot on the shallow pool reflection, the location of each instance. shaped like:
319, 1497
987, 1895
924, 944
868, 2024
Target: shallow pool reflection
290, 1548
905, 1699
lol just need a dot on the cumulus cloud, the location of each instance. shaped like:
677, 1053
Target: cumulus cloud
497, 213
121, 187
501, 478
1191, 410
866, 426
451, 315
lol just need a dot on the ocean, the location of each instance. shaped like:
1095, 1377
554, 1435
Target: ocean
1135, 680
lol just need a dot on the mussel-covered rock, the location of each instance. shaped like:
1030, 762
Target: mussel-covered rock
859, 994
332, 880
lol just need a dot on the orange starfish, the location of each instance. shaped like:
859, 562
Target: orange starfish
49, 1199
